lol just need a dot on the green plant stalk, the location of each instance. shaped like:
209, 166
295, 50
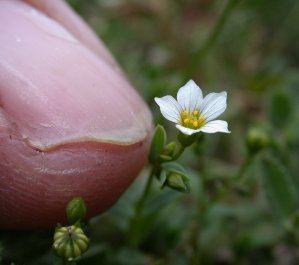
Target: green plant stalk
179, 153
133, 229
202, 207
212, 38
244, 167
141, 202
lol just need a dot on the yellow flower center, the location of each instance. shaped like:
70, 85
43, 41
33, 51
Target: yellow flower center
192, 120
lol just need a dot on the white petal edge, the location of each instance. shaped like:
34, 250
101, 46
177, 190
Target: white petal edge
187, 131
189, 96
213, 105
169, 108
215, 126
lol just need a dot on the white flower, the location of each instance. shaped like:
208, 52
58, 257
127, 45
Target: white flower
192, 113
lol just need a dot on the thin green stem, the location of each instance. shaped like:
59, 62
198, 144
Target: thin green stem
179, 153
244, 168
133, 231
203, 204
212, 38
141, 202
134, 225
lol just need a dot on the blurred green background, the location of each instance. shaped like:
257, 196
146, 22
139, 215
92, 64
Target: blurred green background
242, 208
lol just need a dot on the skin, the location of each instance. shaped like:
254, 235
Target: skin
70, 123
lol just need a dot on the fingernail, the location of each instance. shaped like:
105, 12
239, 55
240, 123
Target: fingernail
57, 91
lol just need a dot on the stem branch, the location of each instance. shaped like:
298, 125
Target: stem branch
212, 38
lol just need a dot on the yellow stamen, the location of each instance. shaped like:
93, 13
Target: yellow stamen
185, 113
186, 121
192, 120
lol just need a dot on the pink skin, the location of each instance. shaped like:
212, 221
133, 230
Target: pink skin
70, 123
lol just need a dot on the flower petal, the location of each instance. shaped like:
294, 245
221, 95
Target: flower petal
213, 105
215, 126
189, 96
187, 131
169, 108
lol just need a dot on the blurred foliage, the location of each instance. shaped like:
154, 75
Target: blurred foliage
249, 48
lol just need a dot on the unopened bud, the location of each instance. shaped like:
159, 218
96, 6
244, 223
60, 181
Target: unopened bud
257, 139
168, 152
169, 149
75, 210
177, 182
70, 242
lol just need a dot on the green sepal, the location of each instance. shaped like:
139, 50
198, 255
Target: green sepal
158, 143
177, 182
170, 149
76, 210
175, 177
165, 158
187, 140
168, 152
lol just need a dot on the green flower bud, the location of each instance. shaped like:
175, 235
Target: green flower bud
168, 152
70, 242
257, 139
75, 210
177, 182
169, 149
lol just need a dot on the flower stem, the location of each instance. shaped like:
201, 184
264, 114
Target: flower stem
179, 153
134, 230
244, 168
202, 207
134, 225
140, 203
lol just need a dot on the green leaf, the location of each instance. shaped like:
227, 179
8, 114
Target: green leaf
279, 187
280, 110
174, 167
76, 210
158, 143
